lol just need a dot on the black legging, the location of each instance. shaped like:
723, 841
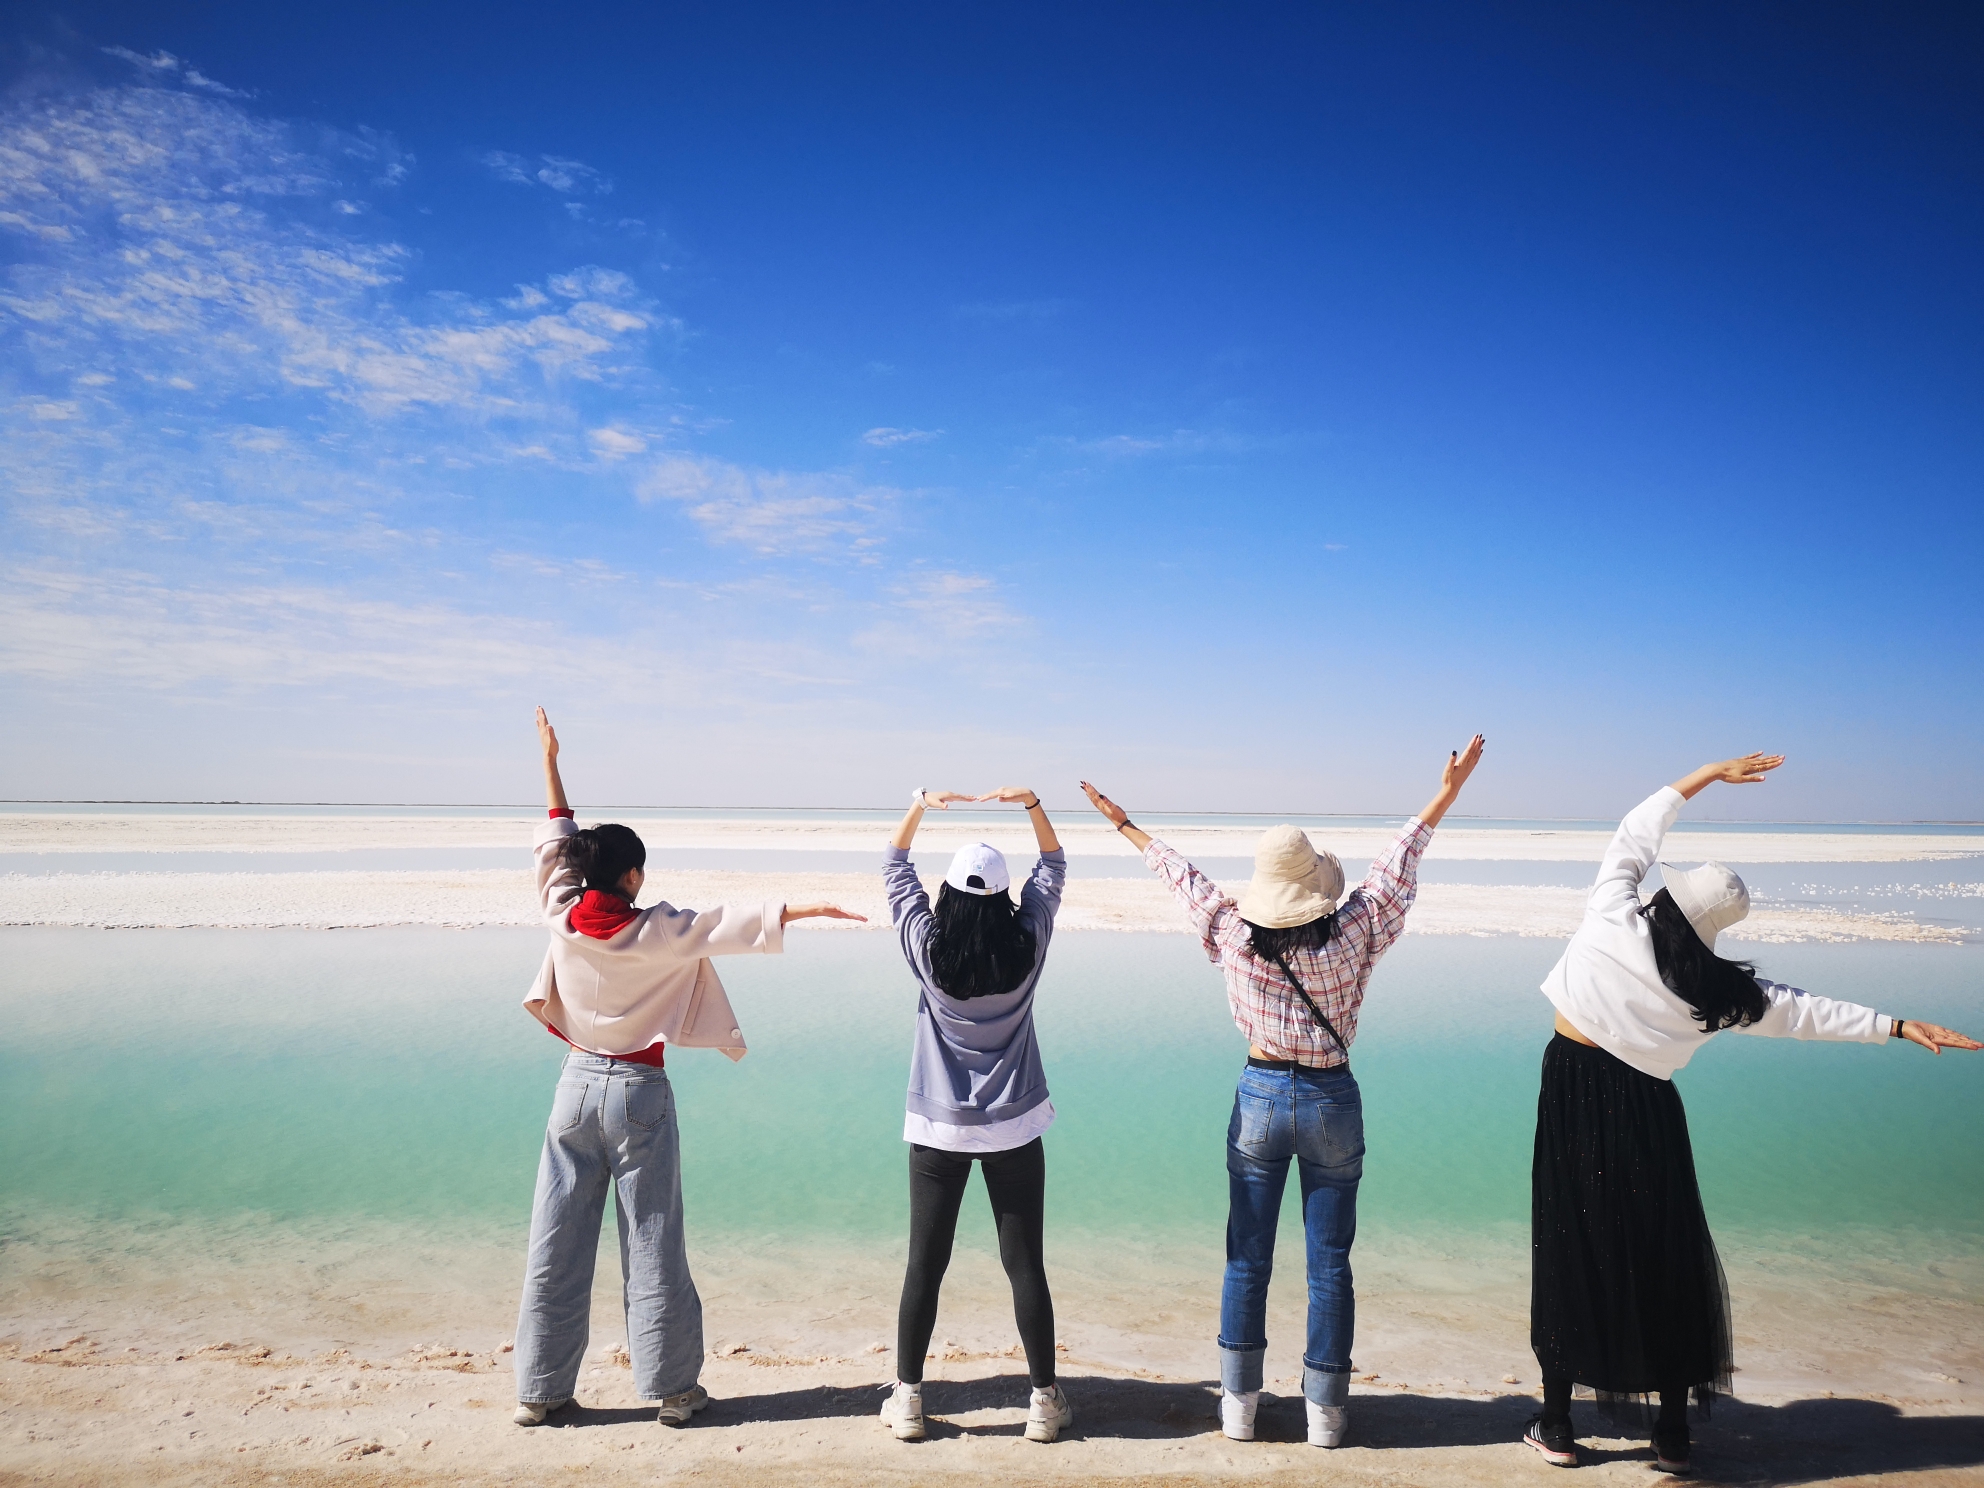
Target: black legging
1017, 1183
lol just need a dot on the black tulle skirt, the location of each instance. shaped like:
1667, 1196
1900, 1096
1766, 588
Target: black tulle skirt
1627, 1295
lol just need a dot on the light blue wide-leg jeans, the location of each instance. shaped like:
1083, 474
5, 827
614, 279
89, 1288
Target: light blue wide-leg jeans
612, 1127
1315, 1117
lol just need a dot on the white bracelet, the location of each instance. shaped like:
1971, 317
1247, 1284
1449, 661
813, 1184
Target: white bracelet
916, 797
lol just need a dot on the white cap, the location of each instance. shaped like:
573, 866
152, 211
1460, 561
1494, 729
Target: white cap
979, 869
1294, 882
1711, 896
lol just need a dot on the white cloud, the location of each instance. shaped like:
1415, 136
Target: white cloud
566, 177
164, 66
958, 604
615, 444
773, 511
174, 237
69, 627
886, 438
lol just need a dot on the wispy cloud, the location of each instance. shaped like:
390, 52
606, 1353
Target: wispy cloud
166, 67
566, 177
774, 512
887, 438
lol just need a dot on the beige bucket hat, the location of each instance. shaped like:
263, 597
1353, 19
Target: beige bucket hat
1293, 883
1711, 896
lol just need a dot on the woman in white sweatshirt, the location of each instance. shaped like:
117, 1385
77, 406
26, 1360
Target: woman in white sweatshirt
1626, 1292
620, 984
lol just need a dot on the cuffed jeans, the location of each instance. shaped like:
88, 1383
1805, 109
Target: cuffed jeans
612, 1125
1317, 1118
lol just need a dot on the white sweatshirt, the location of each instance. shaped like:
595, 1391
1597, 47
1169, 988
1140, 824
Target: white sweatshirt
1607, 984
652, 981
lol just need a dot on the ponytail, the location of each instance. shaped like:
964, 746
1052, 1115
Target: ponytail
603, 855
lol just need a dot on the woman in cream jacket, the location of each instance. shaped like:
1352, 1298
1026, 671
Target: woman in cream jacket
620, 984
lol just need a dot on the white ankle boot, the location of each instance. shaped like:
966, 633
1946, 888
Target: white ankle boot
1236, 1414
1327, 1423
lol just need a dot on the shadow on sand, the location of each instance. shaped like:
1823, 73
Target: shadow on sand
1805, 1441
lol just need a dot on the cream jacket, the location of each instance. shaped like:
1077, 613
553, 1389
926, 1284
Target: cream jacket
1608, 985
650, 983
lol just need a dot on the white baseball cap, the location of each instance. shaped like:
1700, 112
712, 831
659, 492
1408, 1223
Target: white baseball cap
979, 868
1711, 896
1294, 882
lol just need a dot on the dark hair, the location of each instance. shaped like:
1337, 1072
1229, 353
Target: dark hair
979, 945
602, 855
1277, 946
1723, 993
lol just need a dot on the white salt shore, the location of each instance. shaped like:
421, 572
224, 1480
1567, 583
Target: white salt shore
1084, 835
474, 898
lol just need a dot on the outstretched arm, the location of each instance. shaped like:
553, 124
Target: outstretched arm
554, 787
1749, 769
1117, 817
1043, 829
913, 818
1460, 764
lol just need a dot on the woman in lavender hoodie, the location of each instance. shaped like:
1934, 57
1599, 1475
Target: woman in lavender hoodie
976, 1091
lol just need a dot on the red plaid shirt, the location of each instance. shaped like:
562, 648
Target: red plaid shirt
1265, 1007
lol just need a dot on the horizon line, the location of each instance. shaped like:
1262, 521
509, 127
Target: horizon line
626, 806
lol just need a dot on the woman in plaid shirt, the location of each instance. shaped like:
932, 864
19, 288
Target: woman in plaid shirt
1297, 955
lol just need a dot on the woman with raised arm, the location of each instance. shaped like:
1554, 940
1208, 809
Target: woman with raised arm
976, 1090
1626, 1292
619, 984
1297, 956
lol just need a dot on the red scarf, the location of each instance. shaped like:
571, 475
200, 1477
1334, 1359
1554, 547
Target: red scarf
601, 914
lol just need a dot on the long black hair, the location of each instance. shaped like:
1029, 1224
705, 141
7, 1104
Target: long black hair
1723, 993
979, 945
602, 855
1277, 946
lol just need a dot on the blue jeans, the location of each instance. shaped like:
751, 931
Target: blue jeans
1317, 1118
612, 1126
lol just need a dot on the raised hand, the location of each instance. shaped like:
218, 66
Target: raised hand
1934, 1037
1019, 793
818, 912
941, 800
1460, 764
554, 786
1112, 813
1750, 769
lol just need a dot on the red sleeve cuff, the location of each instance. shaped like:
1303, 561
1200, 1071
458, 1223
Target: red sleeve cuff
564, 811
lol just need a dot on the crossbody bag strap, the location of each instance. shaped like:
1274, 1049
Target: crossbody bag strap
1310, 1002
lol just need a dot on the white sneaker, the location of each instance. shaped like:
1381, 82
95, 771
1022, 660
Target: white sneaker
1236, 1413
676, 1409
1327, 1423
533, 1412
1048, 1414
902, 1412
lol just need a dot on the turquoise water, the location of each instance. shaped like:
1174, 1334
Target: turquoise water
302, 1076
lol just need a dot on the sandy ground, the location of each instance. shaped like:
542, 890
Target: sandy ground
479, 897
1082, 832
250, 1383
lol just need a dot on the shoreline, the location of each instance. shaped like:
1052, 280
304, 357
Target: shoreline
501, 897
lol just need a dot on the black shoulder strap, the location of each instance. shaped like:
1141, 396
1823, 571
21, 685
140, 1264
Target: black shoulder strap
1303, 993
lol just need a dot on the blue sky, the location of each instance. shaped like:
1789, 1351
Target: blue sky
1236, 405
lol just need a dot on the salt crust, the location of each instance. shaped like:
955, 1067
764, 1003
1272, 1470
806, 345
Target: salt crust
474, 898
1083, 835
